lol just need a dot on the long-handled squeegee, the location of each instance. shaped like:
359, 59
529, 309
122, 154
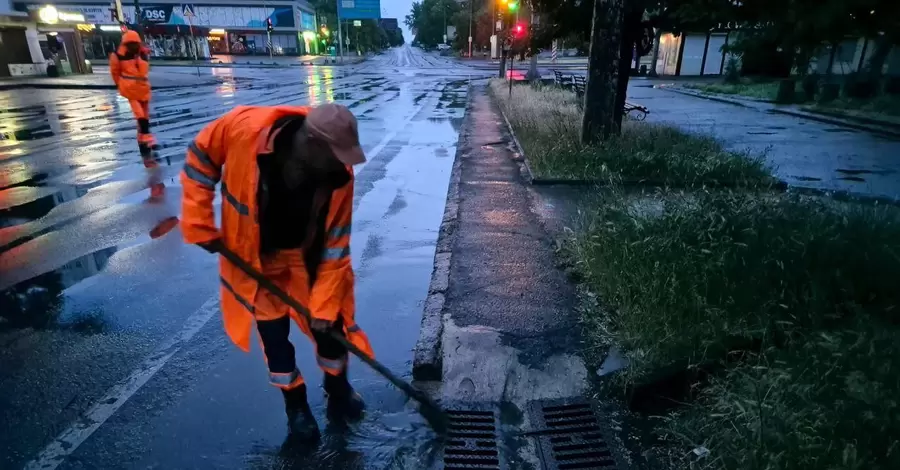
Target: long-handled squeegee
430, 410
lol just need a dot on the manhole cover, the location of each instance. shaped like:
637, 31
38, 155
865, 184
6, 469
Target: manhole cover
472, 440
571, 436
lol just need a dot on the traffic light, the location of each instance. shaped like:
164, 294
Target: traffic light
519, 30
513, 5
269, 26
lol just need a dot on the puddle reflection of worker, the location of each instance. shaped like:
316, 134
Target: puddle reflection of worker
130, 69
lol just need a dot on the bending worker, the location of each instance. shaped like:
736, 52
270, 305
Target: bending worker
130, 71
287, 196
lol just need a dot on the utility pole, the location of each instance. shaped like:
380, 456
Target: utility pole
471, 33
138, 23
599, 118
268, 30
340, 31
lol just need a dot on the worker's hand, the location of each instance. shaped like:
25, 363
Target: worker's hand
320, 325
212, 246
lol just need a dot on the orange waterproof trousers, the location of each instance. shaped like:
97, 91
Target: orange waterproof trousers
273, 321
146, 141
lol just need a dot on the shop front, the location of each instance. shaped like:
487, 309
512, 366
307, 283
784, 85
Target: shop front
59, 38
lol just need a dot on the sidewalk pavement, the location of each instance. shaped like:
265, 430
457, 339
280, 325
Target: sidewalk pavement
804, 153
503, 310
100, 80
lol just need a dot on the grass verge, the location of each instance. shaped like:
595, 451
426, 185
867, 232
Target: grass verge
547, 122
807, 286
762, 90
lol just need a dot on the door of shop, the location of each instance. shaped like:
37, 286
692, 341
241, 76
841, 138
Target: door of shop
13, 49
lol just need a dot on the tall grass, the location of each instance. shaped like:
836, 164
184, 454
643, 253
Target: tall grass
807, 287
547, 122
715, 268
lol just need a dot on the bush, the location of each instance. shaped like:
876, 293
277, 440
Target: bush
810, 86
732, 70
860, 86
547, 123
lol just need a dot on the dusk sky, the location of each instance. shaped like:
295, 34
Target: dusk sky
398, 9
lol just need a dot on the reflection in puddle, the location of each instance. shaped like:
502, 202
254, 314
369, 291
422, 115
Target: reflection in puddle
37, 302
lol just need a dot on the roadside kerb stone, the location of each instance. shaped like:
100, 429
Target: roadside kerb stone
864, 124
428, 354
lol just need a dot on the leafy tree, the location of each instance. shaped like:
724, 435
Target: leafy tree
428, 17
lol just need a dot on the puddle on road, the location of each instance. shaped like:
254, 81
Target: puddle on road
392, 442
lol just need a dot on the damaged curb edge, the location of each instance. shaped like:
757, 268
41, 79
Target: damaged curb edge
428, 355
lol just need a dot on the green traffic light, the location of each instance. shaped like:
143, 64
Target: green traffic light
513, 6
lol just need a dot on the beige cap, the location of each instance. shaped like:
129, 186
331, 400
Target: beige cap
336, 125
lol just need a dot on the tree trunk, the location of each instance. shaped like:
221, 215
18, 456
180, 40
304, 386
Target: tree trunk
875, 64
533, 74
655, 57
604, 62
631, 31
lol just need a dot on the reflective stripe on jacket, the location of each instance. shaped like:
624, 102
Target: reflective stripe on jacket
226, 152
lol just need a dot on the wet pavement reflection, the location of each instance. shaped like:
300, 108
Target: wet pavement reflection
94, 275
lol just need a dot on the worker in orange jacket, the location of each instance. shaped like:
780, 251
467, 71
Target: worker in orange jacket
130, 71
287, 195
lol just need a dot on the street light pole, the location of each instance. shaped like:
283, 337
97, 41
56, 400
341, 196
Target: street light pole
471, 15
268, 33
340, 31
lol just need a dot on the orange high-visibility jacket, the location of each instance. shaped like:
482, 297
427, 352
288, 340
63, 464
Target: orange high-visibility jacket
227, 150
131, 72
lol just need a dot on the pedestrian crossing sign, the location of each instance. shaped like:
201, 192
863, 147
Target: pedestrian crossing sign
187, 11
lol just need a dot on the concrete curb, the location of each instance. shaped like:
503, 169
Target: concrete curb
882, 130
863, 124
428, 353
851, 117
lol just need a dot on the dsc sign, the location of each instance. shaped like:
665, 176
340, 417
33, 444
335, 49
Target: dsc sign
156, 14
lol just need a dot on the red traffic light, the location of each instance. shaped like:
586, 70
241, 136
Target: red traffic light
519, 30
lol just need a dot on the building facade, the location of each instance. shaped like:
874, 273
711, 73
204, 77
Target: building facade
696, 54
88, 30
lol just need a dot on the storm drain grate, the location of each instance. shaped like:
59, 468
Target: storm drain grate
472, 440
571, 436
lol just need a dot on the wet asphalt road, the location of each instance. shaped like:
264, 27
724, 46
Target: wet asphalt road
105, 313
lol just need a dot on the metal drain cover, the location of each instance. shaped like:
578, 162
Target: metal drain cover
571, 435
472, 440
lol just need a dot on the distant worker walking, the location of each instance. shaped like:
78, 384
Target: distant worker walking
287, 197
130, 71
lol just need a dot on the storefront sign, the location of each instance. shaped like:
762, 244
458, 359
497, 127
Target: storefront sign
156, 13
71, 14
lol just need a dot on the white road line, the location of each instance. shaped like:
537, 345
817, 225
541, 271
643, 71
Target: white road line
371, 154
68, 441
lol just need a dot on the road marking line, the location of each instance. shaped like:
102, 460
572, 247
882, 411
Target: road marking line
68, 441
372, 154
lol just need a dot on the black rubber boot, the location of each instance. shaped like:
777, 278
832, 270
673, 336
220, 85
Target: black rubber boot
343, 402
301, 422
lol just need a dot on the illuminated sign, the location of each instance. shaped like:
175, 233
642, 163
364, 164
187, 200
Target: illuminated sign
51, 15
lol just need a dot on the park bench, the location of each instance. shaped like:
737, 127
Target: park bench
636, 111
577, 84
